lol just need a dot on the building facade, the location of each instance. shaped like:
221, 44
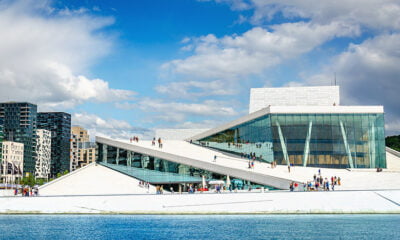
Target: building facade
293, 96
83, 152
59, 124
329, 136
1, 138
12, 166
43, 153
19, 125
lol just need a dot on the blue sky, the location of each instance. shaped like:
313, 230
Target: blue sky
126, 67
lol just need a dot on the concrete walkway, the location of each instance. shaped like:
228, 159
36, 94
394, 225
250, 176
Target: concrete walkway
225, 203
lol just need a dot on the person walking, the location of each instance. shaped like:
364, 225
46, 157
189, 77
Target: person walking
215, 158
288, 168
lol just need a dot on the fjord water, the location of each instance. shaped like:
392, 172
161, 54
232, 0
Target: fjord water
199, 227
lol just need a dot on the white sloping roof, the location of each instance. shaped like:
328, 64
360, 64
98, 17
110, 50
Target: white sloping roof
93, 179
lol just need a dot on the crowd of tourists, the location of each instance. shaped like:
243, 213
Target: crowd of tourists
319, 183
27, 191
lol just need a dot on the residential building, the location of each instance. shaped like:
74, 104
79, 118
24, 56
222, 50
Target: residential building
19, 125
83, 152
12, 166
59, 124
43, 153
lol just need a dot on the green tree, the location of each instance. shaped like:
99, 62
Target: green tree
393, 142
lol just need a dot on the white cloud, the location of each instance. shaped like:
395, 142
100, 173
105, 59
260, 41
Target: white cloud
368, 74
44, 53
174, 112
375, 14
193, 89
234, 56
117, 129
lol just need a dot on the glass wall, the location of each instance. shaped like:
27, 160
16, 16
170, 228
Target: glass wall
121, 157
318, 140
245, 140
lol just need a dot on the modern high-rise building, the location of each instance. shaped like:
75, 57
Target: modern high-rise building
83, 151
59, 124
13, 162
43, 153
19, 125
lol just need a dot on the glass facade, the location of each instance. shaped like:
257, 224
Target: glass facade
317, 140
59, 123
19, 125
159, 170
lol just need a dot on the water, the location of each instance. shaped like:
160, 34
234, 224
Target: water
199, 227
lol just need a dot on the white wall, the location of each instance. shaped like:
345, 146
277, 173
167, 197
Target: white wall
177, 134
293, 96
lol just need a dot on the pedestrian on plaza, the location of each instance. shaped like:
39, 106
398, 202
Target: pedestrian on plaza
338, 180
288, 168
215, 158
319, 172
171, 189
162, 189
252, 164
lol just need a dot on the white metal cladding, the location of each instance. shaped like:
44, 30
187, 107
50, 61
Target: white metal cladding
293, 96
291, 110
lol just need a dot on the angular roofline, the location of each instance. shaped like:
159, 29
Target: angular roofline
290, 110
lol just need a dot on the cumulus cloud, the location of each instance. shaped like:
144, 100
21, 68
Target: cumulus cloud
192, 89
368, 74
177, 112
234, 56
45, 53
117, 129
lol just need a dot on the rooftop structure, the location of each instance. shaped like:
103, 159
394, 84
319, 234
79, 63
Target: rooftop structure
293, 96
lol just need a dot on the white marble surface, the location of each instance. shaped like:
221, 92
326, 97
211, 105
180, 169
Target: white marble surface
272, 202
230, 164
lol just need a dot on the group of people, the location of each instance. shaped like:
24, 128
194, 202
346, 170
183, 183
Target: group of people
134, 139
251, 164
144, 184
27, 192
160, 143
317, 184
160, 189
249, 156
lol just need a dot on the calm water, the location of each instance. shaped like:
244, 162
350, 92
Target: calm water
200, 227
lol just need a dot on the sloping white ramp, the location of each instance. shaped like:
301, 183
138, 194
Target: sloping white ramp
93, 179
200, 157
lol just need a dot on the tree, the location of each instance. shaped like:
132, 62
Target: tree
393, 142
